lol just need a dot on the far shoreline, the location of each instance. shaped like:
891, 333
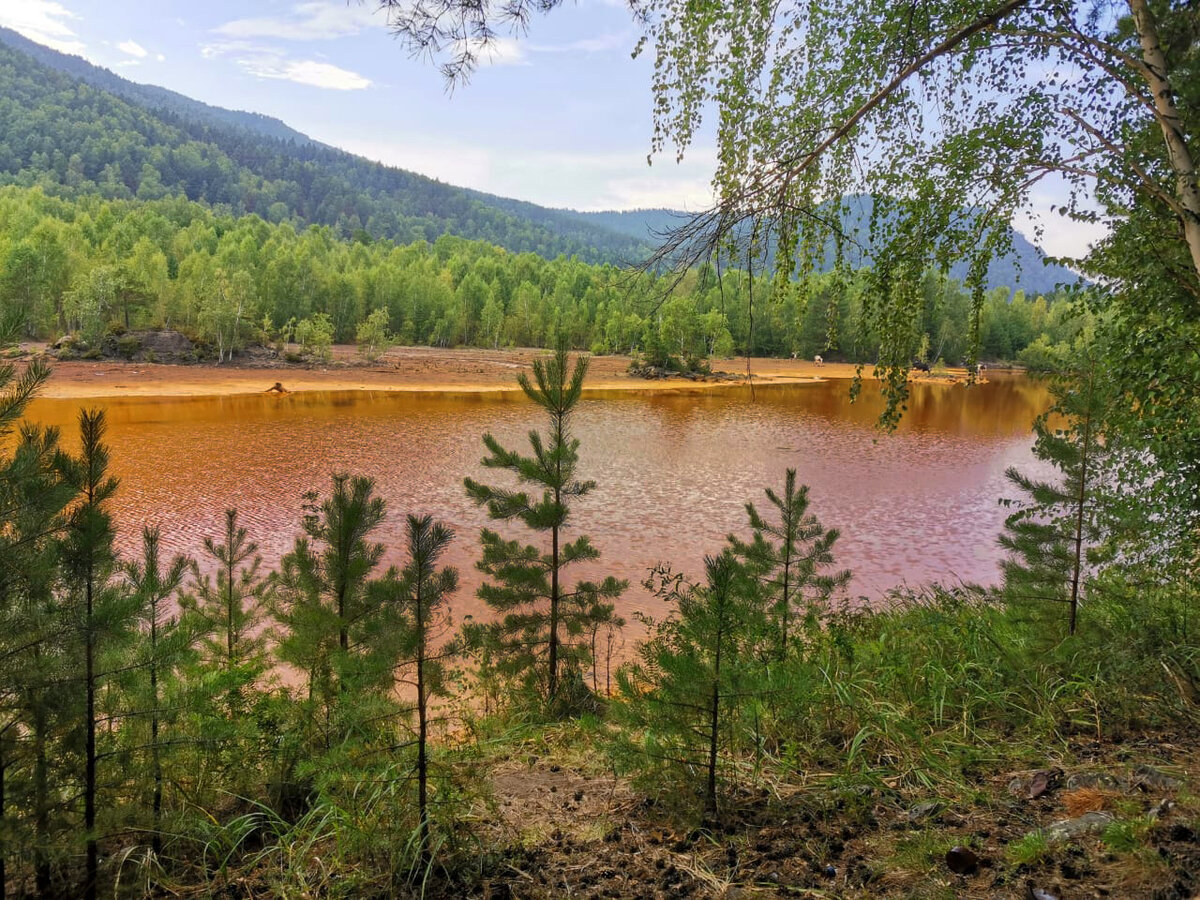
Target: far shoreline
418, 370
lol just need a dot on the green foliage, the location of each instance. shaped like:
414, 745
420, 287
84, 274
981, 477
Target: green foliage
1051, 536
373, 336
332, 625
690, 693
791, 571
1029, 850
540, 639
315, 335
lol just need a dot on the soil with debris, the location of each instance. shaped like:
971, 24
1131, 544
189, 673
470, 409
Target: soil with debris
568, 832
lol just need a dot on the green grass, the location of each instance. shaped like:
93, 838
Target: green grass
1029, 850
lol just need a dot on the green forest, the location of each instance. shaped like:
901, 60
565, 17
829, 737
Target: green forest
91, 267
73, 138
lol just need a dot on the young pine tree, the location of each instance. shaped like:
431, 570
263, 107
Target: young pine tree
165, 643
34, 666
423, 590
327, 606
695, 673
231, 608
1048, 537
791, 558
544, 621
102, 614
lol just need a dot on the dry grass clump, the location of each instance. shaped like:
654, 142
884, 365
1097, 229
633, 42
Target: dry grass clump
1084, 800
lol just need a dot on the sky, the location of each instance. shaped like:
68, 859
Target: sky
560, 117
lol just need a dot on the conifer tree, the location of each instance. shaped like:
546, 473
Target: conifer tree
424, 590
695, 671
152, 587
33, 665
231, 607
1048, 536
543, 621
100, 611
326, 605
791, 557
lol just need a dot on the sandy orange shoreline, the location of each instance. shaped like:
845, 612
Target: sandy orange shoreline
408, 369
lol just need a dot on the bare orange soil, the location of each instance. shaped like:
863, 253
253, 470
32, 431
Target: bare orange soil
401, 369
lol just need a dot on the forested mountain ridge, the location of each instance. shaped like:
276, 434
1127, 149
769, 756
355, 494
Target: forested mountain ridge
65, 134
1024, 268
253, 163
152, 96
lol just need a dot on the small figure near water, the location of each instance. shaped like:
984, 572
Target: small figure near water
818, 361
277, 388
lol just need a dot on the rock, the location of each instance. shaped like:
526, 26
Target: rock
1098, 780
925, 810
165, 343
962, 860
1088, 823
1148, 777
1030, 787
1042, 782
1162, 808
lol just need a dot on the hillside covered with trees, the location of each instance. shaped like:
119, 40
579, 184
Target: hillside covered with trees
92, 267
71, 136
157, 142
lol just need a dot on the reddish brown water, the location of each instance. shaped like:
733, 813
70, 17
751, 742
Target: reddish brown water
673, 472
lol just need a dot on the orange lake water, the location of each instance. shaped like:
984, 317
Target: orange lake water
673, 471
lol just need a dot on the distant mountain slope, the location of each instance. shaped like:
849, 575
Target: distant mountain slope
151, 96
1025, 268
62, 131
76, 127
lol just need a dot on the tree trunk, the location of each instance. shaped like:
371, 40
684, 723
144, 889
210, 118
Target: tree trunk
1178, 153
422, 734
1080, 501
41, 809
710, 795
553, 685
156, 760
89, 779
229, 625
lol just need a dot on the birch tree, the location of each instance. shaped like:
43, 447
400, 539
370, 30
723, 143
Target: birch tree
946, 115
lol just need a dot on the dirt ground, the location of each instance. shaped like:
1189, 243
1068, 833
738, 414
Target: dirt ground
401, 369
572, 830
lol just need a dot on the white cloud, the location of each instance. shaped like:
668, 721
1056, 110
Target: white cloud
43, 21
313, 73
133, 49
160, 57
503, 52
312, 21
1056, 234
263, 61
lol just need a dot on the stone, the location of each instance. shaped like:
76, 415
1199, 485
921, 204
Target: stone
925, 810
1099, 780
1088, 823
1148, 777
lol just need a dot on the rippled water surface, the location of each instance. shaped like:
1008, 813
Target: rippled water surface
673, 471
